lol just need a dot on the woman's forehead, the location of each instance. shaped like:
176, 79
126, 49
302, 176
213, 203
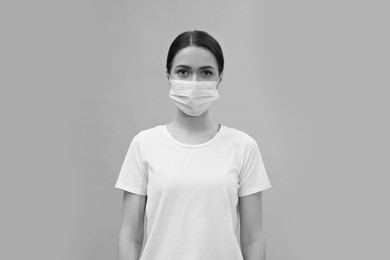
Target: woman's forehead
195, 56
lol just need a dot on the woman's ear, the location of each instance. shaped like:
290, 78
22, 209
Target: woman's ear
220, 79
167, 74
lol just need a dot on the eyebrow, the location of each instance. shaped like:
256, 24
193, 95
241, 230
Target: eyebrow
188, 67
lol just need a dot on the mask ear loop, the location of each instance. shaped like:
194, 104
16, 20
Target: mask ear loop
169, 78
217, 82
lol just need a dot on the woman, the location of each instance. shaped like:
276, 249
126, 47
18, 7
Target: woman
196, 181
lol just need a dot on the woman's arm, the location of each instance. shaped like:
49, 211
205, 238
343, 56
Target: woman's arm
252, 233
132, 228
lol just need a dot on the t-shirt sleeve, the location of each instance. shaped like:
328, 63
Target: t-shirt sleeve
132, 176
253, 176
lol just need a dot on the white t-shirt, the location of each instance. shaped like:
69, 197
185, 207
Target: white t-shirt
192, 191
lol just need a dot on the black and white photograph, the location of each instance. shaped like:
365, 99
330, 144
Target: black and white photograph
194, 130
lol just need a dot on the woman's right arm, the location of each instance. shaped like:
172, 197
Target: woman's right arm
131, 233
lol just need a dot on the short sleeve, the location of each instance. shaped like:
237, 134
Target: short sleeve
253, 176
132, 176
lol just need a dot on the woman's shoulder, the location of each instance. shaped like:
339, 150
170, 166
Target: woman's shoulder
153, 130
148, 132
241, 135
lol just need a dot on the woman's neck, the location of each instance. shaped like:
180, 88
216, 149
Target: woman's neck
201, 123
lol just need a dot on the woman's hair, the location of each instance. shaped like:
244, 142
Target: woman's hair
195, 38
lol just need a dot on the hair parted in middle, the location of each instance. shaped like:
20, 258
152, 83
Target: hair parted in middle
195, 38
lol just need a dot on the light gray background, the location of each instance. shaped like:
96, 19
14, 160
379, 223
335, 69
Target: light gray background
308, 80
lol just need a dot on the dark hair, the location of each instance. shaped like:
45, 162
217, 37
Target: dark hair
195, 38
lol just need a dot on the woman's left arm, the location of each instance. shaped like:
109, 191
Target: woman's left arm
252, 233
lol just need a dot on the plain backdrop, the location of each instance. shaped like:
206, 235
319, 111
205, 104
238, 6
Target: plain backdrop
309, 80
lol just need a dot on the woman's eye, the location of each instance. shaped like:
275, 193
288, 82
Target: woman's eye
207, 73
182, 73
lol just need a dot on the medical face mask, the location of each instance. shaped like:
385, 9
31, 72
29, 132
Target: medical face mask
193, 97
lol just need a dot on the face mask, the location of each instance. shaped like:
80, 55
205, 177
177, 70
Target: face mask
193, 97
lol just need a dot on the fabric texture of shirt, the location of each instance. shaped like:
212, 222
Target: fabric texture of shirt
192, 191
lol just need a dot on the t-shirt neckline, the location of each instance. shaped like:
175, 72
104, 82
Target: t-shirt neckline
221, 129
